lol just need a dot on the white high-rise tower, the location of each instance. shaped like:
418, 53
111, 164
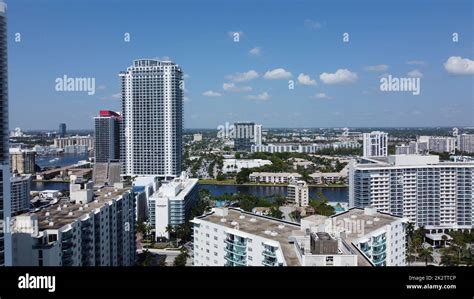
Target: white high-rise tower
152, 118
375, 144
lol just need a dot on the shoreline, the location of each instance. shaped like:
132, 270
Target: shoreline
227, 183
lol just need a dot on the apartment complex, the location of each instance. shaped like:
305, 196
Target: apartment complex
302, 148
75, 141
358, 237
22, 161
20, 193
430, 193
172, 204
407, 149
107, 137
298, 192
152, 118
5, 203
466, 143
100, 232
273, 177
375, 144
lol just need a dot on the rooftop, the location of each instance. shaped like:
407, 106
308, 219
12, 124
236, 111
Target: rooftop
64, 212
262, 226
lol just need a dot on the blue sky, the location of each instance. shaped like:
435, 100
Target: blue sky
86, 39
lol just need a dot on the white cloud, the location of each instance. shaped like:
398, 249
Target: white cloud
101, 87
415, 73
313, 25
306, 80
116, 96
211, 93
256, 51
376, 68
241, 77
186, 99
340, 76
260, 97
278, 73
459, 66
321, 95
416, 62
186, 76
232, 87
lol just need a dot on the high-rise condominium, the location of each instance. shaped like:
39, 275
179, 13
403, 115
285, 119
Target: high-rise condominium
62, 130
375, 144
107, 136
436, 195
5, 204
246, 135
152, 118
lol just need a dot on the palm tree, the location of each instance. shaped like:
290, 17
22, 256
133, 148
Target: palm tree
410, 230
426, 254
170, 229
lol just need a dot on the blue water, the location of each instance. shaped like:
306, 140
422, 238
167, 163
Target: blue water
59, 160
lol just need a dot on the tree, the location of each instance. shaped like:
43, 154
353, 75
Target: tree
276, 213
426, 254
243, 175
181, 259
161, 261
321, 206
170, 229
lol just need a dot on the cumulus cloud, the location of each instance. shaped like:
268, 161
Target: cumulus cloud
321, 95
241, 77
260, 97
256, 51
376, 68
232, 87
313, 25
340, 76
305, 80
211, 93
278, 73
415, 73
457, 65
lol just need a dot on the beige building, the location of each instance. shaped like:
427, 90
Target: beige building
22, 161
298, 192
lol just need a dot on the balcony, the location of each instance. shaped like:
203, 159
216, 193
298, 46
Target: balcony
268, 253
235, 250
235, 260
235, 243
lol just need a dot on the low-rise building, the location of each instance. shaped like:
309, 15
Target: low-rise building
273, 177
236, 165
298, 192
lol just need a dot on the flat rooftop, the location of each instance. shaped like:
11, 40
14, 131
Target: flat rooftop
64, 212
261, 226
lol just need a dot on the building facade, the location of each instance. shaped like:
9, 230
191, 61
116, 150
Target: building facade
97, 233
62, 130
244, 136
152, 118
85, 141
20, 193
5, 203
466, 143
107, 137
430, 193
375, 144
298, 192
22, 161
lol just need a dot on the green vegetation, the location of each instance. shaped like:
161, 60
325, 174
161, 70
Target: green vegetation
458, 252
181, 259
321, 206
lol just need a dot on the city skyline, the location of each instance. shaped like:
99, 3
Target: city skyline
336, 84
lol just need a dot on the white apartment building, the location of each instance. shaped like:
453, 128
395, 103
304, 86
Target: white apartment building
20, 193
430, 193
197, 137
83, 141
298, 192
235, 165
466, 143
442, 144
273, 177
172, 203
375, 144
66, 233
152, 118
407, 149
302, 148
233, 237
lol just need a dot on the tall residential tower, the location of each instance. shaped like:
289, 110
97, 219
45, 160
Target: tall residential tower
152, 119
